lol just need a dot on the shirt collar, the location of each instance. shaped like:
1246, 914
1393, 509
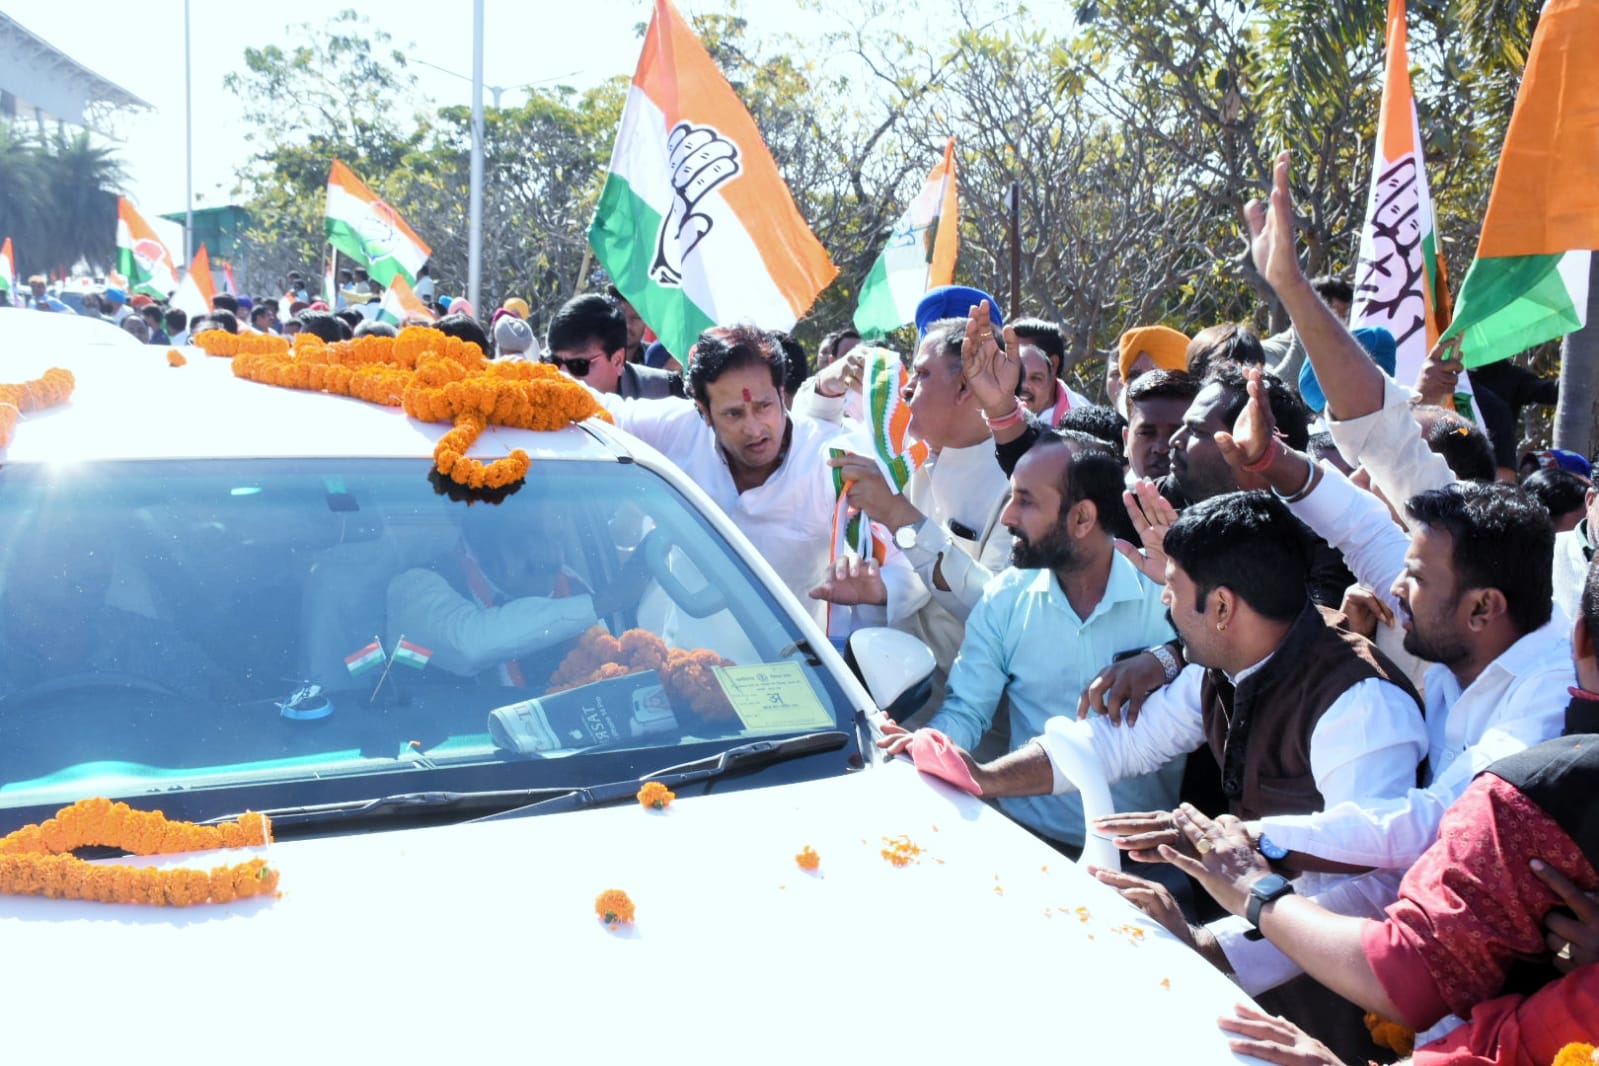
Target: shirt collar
1535, 651
1125, 584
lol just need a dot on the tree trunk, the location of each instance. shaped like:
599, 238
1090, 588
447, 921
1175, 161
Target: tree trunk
1578, 411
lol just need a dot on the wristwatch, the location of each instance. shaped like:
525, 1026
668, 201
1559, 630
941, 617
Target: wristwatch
1268, 889
1273, 851
905, 536
1168, 662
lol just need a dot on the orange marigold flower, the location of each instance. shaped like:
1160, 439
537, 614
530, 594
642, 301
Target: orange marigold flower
614, 907
175, 358
1390, 1035
1576, 1055
656, 796
807, 859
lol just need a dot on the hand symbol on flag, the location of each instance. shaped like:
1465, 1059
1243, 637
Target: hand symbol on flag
701, 159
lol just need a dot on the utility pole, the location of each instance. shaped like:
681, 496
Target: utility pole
474, 240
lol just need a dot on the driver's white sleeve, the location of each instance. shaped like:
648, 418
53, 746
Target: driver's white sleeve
467, 638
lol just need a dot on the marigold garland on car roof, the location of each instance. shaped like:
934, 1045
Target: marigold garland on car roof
52, 390
434, 378
37, 860
221, 342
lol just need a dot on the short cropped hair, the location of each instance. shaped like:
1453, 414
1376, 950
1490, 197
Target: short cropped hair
1046, 337
466, 328
1247, 542
1501, 538
1097, 421
723, 348
1287, 409
1163, 385
586, 318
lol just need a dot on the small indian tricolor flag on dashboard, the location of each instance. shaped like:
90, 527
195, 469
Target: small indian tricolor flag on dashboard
366, 659
412, 655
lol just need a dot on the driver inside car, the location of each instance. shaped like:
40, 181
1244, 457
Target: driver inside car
64, 622
502, 602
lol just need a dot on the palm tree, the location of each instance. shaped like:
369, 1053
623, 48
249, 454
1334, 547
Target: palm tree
23, 207
82, 179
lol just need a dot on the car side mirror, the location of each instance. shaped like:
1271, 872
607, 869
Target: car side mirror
895, 667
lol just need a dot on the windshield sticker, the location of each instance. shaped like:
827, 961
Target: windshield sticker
772, 697
604, 713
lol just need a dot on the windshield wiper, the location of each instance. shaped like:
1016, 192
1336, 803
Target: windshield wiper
749, 756
530, 801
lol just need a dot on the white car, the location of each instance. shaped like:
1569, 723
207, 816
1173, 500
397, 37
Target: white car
194, 570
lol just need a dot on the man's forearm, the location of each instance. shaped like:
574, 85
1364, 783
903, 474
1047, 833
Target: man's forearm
1328, 947
1349, 379
1023, 772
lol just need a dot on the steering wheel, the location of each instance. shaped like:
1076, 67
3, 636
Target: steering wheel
698, 603
106, 679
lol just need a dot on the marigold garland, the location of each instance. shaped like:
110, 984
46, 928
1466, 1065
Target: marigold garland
175, 358
221, 342
52, 390
1576, 1055
36, 860
1390, 1035
687, 675
655, 796
807, 859
614, 907
434, 378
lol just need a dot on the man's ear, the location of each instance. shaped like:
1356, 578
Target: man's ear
1487, 606
1225, 604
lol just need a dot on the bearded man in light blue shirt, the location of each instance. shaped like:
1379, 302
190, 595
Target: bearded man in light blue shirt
1068, 605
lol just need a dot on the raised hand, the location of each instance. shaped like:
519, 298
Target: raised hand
991, 370
1254, 428
1152, 515
1271, 232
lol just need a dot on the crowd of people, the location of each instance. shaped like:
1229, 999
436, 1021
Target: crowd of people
1333, 644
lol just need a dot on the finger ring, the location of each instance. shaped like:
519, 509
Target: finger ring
1203, 845
1564, 954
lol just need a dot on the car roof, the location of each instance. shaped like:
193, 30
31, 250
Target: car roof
128, 403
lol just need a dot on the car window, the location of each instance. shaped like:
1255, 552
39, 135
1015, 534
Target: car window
239, 634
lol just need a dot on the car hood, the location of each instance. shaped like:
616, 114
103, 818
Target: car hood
480, 943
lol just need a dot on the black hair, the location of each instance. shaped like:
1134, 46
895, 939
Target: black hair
261, 309
152, 314
1095, 474
350, 317
1463, 444
1559, 492
177, 319
723, 348
344, 274
1163, 385
466, 328
796, 367
831, 342
225, 301
222, 318
1046, 337
1247, 542
322, 324
374, 328
1100, 422
1287, 409
585, 318
1229, 343
1500, 538
1331, 288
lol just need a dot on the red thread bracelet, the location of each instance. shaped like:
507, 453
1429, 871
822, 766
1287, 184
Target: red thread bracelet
1269, 456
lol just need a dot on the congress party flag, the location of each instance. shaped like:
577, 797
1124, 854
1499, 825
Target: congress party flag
400, 302
1529, 281
142, 258
8, 271
365, 228
920, 254
196, 290
1397, 283
695, 225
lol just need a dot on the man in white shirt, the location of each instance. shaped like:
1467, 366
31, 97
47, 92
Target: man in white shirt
767, 471
947, 520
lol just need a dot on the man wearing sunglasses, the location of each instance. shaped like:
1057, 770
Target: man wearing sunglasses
588, 339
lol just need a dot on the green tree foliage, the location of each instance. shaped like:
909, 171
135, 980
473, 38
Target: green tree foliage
60, 202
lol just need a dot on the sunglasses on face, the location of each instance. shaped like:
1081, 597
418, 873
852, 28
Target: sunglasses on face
578, 368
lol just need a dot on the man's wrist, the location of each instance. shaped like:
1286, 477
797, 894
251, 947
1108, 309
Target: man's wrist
902, 513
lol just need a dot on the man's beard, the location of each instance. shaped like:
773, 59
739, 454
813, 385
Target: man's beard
1445, 649
1053, 551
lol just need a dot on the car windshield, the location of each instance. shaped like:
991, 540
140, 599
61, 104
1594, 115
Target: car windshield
255, 634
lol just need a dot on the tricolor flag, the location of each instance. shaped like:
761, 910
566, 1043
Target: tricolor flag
196, 291
413, 655
368, 658
141, 256
227, 280
400, 303
695, 225
8, 272
920, 254
1529, 282
366, 229
886, 420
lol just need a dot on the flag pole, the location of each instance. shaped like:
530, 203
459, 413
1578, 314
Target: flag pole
1015, 251
188, 142
474, 240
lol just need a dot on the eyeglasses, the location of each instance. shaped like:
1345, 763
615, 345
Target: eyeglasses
578, 368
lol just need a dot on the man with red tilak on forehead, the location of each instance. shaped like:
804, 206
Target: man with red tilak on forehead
768, 471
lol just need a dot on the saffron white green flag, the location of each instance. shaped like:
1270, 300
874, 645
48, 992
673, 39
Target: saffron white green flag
366, 229
142, 258
1529, 281
1398, 281
8, 272
197, 289
920, 254
695, 225
401, 302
